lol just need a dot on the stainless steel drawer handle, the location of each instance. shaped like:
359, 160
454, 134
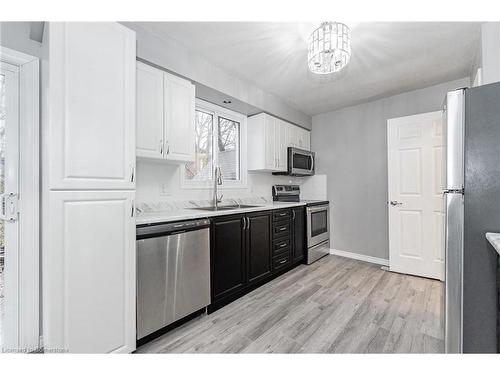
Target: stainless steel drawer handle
283, 214
283, 261
283, 244
282, 229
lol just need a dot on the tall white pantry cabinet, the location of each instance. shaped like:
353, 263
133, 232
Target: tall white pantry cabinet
88, 187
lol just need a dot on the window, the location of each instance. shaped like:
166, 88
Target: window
218, 142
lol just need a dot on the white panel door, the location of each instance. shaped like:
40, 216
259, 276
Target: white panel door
89, 272
179, 111
149, 127
281, 145
90, 129
416, 203
270, 142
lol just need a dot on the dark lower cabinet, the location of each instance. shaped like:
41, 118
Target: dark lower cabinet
250, 249
258, 235
298, 234
227, 256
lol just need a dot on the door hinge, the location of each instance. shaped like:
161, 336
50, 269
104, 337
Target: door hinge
9, 210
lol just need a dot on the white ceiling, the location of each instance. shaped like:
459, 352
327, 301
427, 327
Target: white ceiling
387, 58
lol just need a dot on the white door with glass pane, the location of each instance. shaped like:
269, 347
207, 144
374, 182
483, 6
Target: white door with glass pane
415, 199
9, 188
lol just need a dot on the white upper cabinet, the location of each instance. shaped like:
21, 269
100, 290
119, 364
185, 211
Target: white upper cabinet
269, 139
165, 115
149, 126
89, 106
281, 148
299, 137
179, 111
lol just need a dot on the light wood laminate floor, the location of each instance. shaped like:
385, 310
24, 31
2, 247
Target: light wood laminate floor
336, 305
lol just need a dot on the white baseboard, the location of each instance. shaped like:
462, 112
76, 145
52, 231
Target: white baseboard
364, 258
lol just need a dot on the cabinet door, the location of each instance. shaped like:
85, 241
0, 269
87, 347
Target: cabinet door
305, 139
294, 136
281, 145
298, 217
270, 142
89, 128
228, 268
149, 126
258, 246
179, 111
89, 272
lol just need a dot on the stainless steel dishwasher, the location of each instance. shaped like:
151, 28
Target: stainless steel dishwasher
173, 273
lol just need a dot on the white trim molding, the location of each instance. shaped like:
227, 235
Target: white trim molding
364, 258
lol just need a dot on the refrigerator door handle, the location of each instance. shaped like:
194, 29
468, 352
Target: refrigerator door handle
453, 191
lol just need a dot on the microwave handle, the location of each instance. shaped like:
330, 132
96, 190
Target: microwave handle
312, 162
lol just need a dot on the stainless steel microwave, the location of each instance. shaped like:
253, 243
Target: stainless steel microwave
300, 162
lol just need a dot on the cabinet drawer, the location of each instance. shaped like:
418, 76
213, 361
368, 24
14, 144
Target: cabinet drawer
282, 215
282, 229
281, 262
282, 245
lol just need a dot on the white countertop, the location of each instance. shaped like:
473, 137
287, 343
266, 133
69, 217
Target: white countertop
188, 213
494, 239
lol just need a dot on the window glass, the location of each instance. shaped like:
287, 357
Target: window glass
228, 148
201, 168
222, 134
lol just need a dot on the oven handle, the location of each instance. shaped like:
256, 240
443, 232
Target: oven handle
318, 208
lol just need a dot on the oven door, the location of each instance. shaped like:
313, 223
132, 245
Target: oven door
300, 162
318, 225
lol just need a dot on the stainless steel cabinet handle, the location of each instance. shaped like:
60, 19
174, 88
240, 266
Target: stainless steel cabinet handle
283, 244
132, 215
293, 215
282, 229
244, 223
283, 214
132, 178
248, 223
161, 146
396, 203
283, 261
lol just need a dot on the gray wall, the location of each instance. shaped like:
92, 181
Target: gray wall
177, 58
22, 36
490, 51
351, 149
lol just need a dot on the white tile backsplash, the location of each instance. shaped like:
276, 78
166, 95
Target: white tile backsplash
161, 182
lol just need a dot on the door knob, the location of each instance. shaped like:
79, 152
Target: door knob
396, 203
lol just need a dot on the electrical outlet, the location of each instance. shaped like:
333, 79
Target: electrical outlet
164, 190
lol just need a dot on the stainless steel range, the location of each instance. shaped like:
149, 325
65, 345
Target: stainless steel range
317, 220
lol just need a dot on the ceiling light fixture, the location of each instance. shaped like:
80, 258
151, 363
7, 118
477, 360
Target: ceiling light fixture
329, 48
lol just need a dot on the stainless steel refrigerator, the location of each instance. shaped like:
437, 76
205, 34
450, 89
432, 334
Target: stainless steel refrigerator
472, 131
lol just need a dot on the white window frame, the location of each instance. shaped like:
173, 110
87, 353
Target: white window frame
218, 111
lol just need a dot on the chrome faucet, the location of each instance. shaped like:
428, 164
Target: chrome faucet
217, 182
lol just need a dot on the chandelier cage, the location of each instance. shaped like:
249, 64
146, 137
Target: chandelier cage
329, 48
